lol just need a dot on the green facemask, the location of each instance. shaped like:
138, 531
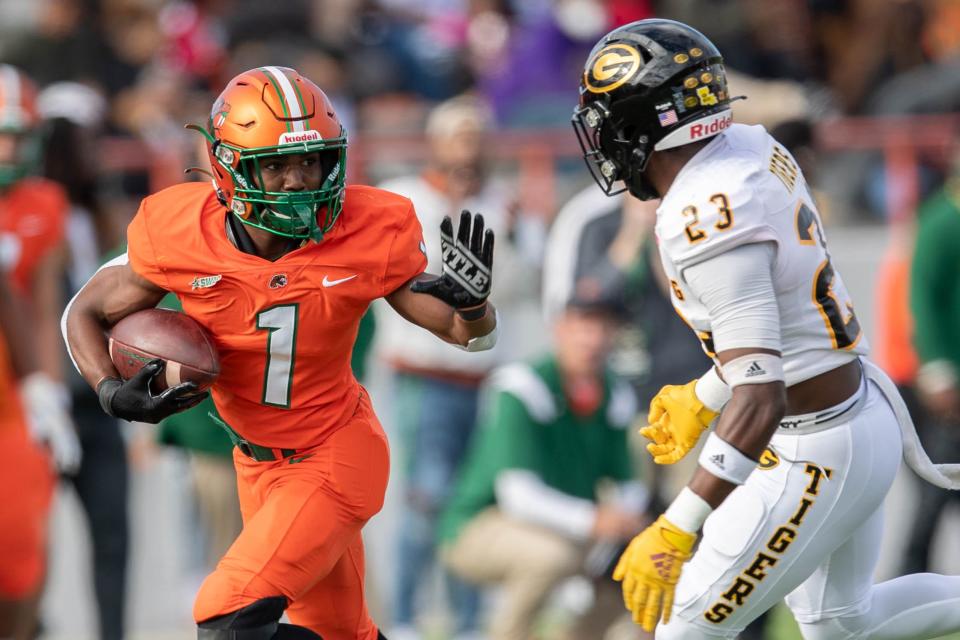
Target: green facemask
287, 214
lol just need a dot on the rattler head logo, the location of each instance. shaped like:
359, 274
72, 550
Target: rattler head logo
611, 67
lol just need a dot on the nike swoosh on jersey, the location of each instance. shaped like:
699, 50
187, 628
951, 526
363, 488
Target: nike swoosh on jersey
332, 283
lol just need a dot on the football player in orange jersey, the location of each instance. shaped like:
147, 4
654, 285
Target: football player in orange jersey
33, 214
25, 475
279, 260
36, 433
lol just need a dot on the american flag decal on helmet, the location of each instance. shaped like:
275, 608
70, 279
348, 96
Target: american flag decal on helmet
667, 118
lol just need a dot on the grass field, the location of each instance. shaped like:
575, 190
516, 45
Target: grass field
782, 627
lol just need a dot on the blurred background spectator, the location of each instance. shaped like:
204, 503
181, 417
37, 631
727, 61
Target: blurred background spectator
864, 93
436, 387
935, 303
526, 512
75, 114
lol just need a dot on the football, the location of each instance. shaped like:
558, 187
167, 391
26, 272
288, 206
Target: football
179, 340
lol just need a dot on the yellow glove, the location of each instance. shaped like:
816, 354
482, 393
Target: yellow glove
650, 569
677, 418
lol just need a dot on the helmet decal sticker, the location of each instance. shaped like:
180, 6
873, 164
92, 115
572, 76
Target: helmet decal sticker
290, 98
611, 67
300, 136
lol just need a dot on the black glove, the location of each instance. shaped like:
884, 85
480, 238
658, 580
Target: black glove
132, 399
464, 283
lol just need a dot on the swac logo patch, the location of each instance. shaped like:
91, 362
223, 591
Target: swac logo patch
205, 282
612, 66
278, 281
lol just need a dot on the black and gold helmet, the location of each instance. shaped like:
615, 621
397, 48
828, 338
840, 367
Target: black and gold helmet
647, 86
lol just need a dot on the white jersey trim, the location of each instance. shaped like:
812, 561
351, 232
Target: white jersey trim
119, 261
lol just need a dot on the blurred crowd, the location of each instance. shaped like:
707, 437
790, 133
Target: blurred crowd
465, 104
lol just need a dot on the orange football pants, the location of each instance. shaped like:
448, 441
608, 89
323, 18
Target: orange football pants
28, 482
301, 534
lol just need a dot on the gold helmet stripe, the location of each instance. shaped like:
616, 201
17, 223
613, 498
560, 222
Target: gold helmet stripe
289, 97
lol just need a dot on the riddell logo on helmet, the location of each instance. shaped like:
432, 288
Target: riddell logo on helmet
300, 136
713, 127
699, 129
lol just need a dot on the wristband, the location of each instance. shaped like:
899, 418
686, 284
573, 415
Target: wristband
725, 461
106, 389
487, 342
688, 511
472, 314
755, 368
713, 392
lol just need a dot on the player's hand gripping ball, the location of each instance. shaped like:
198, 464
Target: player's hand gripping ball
167, 361
464, 283
677, 419
650, 568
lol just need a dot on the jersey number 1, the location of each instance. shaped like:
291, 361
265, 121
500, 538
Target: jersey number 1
844, 329
281, 322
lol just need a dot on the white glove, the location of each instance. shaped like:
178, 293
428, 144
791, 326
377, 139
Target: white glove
47, 404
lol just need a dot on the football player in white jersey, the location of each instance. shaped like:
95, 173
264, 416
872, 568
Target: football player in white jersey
807, 434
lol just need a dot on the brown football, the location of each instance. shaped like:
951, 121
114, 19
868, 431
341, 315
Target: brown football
178, 339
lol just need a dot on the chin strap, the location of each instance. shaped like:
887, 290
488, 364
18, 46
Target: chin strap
238, 235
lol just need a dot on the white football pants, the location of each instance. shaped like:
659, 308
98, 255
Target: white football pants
806, 526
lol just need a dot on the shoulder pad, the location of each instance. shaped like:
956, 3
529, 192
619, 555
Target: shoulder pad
713, 207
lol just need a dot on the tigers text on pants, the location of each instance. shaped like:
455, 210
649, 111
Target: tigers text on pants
806, 526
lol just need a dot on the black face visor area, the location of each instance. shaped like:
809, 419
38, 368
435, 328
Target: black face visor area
590, 122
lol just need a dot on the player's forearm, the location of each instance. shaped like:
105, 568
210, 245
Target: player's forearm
747, 423
85, 334
438, 317
113, 293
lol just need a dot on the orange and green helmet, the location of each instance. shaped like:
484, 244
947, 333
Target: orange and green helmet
263, 113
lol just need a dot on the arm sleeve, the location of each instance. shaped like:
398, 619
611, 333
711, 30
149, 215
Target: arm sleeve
736, 287
523, 495
520, 492
931, 282
141, 252
407, 256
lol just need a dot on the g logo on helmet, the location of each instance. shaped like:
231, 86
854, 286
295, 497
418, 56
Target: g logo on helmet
611, 67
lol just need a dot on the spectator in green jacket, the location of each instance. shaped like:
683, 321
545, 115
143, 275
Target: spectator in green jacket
526, 512
935, 305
